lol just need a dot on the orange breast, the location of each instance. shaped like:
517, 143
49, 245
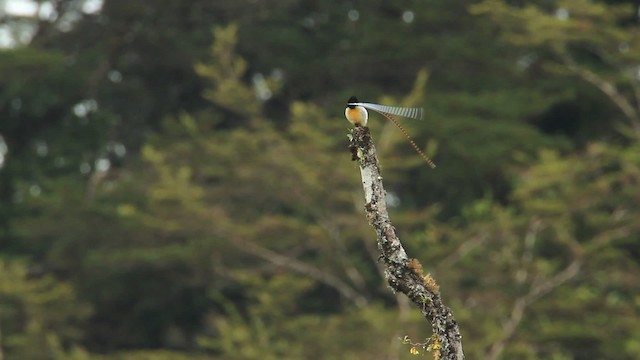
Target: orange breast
357, 116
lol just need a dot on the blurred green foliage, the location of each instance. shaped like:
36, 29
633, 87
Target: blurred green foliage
178, 185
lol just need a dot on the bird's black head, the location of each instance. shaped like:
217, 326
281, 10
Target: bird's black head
352, 99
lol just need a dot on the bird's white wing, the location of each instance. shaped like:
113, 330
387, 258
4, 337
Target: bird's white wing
413, 113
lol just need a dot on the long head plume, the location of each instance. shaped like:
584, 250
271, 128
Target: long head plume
388, 112
413, 113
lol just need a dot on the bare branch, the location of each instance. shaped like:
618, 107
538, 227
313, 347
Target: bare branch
354, 275
523, 302
281, 260
604, 239
607, 87
402, 273
462, 251
635, 85
527, 254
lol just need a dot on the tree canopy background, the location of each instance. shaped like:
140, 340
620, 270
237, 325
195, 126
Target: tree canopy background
175, 181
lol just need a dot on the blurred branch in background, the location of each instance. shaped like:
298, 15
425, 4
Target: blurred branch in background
608, 88
326, 278
522, 303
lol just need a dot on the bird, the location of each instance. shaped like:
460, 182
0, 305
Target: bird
356, 113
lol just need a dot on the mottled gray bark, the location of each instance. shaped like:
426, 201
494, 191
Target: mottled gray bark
403, 273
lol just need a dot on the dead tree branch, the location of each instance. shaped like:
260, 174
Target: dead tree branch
402, 273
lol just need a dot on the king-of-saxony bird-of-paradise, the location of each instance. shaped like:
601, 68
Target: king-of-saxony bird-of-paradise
356, 113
